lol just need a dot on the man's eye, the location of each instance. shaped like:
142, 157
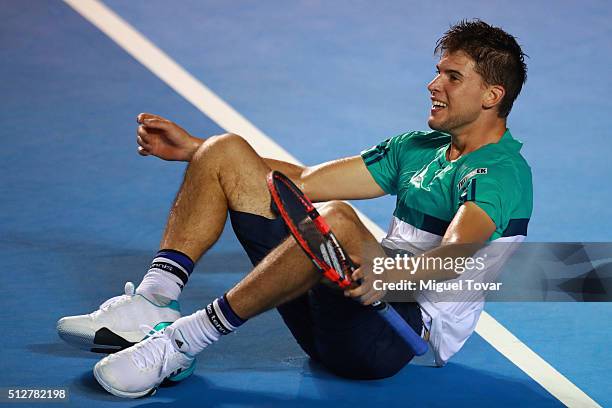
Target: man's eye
454, 78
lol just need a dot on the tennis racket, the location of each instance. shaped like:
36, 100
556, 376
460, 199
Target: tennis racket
315, 237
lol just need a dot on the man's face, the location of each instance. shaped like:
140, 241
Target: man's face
457, 94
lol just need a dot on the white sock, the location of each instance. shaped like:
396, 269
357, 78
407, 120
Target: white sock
167, 275
193, 333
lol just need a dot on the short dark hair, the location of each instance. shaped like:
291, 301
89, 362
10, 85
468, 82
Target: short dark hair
498, 56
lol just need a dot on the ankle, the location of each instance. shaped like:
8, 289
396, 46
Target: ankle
167, 275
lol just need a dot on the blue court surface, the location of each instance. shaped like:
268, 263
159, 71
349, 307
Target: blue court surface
81, 212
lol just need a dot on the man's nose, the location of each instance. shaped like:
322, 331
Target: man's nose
433, 85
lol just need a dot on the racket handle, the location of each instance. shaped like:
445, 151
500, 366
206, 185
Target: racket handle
402, 328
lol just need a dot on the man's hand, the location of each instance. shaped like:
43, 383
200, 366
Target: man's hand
363, 286
165, 139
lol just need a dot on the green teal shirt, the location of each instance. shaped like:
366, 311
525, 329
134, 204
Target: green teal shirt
430, 189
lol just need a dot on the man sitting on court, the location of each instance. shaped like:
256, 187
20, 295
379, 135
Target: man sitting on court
463, 182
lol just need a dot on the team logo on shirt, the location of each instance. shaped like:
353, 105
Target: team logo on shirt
482, 170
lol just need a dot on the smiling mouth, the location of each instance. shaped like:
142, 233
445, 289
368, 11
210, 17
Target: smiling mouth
438, 106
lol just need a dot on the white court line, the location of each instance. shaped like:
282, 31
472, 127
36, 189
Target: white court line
227, 118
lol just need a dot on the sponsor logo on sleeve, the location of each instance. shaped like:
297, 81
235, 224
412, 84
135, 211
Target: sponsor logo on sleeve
482, 170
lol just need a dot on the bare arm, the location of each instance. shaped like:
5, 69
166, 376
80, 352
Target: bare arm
467, 233
343, 179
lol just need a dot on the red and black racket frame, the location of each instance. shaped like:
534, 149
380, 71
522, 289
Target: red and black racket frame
401, 327
319, 222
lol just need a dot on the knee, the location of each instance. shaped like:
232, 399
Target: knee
221, 147
340, 215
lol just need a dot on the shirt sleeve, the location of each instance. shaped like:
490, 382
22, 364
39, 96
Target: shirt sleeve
383, 161
490, 188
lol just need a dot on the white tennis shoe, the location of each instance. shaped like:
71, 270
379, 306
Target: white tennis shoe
117, 323
138, 371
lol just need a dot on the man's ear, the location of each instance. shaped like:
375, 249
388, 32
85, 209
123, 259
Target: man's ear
493, 96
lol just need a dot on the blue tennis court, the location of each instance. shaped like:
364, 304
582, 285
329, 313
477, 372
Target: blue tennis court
82, 213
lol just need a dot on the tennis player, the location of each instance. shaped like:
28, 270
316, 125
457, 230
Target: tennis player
464, 181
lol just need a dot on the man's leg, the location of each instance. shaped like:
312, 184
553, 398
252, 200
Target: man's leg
349, 339
224, 173
259, 236
362, 340
287, 272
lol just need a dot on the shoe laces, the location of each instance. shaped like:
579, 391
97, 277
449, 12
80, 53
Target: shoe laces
153, 350
128, 293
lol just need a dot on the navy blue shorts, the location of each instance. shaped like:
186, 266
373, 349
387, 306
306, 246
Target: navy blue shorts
350, 340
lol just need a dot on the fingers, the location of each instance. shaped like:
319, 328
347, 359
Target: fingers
153, 121
370, 298
142, 151
142, 134
357, 292
358, 274
143, 138
143, 141
365, 292
142, 116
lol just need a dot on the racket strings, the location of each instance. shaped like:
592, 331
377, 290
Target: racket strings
300, 212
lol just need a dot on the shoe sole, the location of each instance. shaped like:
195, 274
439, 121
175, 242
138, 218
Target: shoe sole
149, 392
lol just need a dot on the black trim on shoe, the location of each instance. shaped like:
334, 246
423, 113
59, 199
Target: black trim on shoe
105, 341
